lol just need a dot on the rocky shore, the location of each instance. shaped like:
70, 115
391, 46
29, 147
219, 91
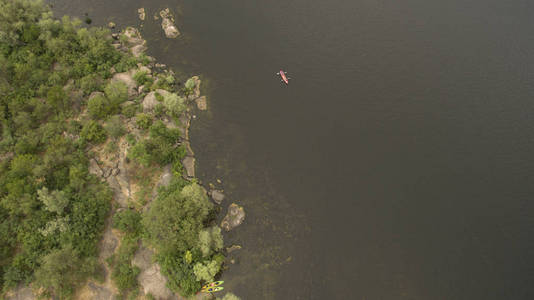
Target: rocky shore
115, 169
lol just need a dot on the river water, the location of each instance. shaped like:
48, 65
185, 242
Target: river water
397, 164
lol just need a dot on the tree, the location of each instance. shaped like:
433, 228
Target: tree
174, 104
210, 240
207, 271
229, 296
62, 270
176, 217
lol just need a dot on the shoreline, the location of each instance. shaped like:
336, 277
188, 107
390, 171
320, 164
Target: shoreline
155, 106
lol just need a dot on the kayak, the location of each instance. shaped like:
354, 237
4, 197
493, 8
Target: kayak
216, 283
213, 289
284, 77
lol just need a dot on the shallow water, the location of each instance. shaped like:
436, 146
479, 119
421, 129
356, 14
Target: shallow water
396, 165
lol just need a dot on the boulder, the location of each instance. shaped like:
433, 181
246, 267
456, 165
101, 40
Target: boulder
189, 165
196, 89
234, 217
167, 23
100, 292
201, 103
142, 14
137, 50
217, 196
94, 168
133, 36
150, 278
108, 244
21, 293
150, 101
127, 78
170, 30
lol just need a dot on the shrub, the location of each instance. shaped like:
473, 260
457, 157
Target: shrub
98, 107
91, 83
116, 92
128, 221
114, 127
130, 110
93, 132
143, 120
142, 77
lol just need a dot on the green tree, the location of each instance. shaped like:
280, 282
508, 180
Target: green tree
61, 271
210, 241
174, 104
176, 217
229, 296
206, 271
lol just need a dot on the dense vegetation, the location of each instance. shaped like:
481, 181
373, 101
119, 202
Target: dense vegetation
52, 210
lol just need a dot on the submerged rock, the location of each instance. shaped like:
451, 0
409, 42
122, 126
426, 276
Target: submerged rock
141, 12
234, 217
233, 248
167, 23
217, 196
201, 103
189, 165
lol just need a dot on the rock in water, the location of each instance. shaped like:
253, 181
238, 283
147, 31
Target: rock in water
217, 196
141, 13
202, 104
234, 217
137, 50
233, 248
189, 165
170, 30
167, 23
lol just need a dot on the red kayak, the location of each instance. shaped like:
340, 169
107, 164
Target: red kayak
284, 77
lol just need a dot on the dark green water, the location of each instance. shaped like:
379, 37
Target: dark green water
398, 164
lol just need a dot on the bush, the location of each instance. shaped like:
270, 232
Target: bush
116, 92
91, 83
124, 274
142, 77
93, 132
143, 120
128, 221
114, 127
130, 110
98, 107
